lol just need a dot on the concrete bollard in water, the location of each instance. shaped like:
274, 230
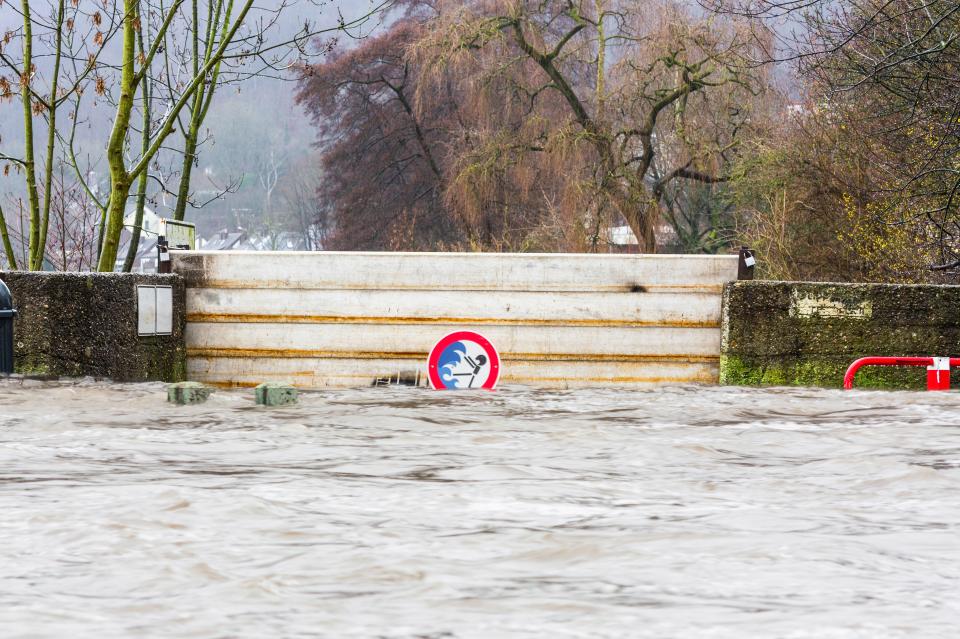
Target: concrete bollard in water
187, 393
273, 394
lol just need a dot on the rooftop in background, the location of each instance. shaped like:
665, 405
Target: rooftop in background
225, 240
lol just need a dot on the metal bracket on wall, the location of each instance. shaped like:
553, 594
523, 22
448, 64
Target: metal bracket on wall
748, 261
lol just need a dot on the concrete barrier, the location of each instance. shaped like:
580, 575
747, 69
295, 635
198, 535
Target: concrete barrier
349, 319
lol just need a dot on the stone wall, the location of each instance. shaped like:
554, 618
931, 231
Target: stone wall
807, 334
85, 324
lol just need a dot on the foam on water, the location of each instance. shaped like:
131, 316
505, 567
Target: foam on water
398, 512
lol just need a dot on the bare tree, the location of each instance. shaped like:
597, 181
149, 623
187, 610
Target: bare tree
72, 237
381, 154
526, 125
156, 88
618, 76
71, 37
888, 70
300, 196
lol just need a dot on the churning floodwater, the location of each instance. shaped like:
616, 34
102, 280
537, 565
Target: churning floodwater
400, 513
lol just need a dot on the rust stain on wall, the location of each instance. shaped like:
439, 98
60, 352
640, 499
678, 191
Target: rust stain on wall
236, 353
260, 318
213, 282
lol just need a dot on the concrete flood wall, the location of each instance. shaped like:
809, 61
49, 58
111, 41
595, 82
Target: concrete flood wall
807, 334
349, 319
86, 324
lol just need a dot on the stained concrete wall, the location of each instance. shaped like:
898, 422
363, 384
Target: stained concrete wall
85, 324
352, 319
807, 334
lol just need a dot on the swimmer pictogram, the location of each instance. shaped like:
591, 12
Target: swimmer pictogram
463, 360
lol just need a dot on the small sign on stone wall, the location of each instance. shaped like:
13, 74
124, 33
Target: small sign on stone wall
154, 310
809, 305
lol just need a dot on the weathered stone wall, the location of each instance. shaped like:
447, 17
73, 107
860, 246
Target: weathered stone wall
807, 334
85, 324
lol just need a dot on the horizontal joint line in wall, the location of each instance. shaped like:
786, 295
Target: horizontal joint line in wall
236, 318
240, 353
490, 289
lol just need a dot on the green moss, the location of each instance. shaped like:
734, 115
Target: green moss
31, 368
734, 372
827, 373
162, 362
172, 369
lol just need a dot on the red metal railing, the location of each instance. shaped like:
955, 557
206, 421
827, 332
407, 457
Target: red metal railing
938, 368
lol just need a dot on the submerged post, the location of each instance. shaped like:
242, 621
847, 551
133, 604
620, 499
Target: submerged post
7, 313
274, 394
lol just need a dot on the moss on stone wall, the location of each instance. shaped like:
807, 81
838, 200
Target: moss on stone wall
85, 324
815, 371
807, 334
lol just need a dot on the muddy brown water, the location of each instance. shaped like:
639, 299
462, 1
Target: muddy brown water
398, 512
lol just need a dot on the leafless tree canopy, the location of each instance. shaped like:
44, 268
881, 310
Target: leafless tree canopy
826, 132
886, 74
528, 125
150, 70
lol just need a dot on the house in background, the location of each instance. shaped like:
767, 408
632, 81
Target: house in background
147, 257
622, 239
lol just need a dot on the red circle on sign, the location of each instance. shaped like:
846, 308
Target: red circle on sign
458, 336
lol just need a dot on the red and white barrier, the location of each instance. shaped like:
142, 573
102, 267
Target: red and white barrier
938, 368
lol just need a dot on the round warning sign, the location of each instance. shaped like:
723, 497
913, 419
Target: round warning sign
463, 360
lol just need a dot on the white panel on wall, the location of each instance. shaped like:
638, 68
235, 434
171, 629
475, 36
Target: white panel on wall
164, 310
146, 310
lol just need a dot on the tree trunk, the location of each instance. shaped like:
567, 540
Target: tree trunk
183, 192
142, 184
29, 164
642, 221
641, 215
7, 247
137, 224
119, 177
113, 227
40, 249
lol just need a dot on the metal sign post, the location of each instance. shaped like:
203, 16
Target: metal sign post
747, 264
163, 255
179, 235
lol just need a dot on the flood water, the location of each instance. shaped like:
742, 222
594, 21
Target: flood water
404, 513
